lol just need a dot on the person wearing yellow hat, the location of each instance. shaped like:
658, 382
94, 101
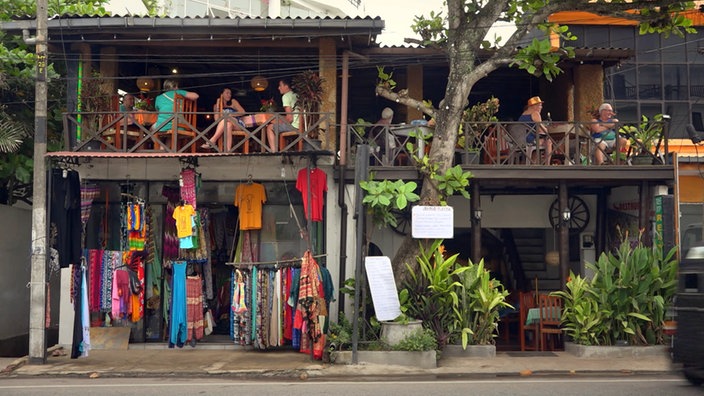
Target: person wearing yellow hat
533, 120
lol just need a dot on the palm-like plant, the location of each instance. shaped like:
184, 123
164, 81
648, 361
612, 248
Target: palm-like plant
12, 133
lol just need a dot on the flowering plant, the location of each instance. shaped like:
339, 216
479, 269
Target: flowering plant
268, 105
144, 102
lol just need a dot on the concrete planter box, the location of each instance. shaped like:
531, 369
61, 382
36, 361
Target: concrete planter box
482, 351
420, 359
393, 332
585, 351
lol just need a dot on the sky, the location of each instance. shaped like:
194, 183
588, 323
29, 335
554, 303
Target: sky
398, 17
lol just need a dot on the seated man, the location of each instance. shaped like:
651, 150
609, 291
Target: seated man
288, 98
127, 107
603, 129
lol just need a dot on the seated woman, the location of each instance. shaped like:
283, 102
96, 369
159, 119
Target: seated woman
603, 129
226, 104
164, 105
531, 117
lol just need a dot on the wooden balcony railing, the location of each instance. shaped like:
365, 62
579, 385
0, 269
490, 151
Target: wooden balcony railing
137, 133
506, 143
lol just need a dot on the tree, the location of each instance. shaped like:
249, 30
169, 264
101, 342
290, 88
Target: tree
17, 68
462, 34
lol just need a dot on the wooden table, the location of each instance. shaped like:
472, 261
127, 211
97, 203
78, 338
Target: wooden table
562, 135
146, 118
532, 317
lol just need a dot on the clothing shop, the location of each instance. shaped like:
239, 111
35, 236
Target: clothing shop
190, 260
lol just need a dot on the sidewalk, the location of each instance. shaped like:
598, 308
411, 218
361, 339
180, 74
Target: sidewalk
199, 362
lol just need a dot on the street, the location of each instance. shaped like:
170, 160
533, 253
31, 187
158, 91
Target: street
660, 385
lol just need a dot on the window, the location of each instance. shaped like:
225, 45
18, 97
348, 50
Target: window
648, 49
675, 82
649, 82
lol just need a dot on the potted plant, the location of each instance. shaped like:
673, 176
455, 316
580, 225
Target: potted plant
308, 86
475, 128
642, 137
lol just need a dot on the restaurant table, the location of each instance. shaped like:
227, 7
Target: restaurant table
146, 118
564, 136
255, 119
532, 317
399, 136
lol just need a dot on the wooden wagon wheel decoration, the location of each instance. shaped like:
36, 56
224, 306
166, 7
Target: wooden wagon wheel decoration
579, 214
403, 220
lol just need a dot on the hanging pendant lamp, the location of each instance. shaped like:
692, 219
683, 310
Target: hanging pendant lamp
259, 83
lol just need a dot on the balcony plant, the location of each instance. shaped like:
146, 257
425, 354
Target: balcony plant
475, 125
643, 135
308, 86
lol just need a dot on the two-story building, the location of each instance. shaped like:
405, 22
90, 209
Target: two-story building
522, 215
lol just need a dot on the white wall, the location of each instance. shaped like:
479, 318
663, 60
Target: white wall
15, 248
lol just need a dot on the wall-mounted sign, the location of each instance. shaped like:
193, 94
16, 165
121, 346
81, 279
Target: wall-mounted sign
432, 222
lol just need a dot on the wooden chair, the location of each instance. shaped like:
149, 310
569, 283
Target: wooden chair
236, 131
183, 126
497, 148
526, 301
115, 128
509, 317
549, 324
293, 135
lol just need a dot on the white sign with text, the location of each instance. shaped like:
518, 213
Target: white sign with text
383, 287
432, 222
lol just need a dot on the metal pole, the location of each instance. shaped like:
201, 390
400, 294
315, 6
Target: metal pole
564, 233
37, 304
361, 168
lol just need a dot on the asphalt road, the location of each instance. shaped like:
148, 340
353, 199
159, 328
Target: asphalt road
660, 385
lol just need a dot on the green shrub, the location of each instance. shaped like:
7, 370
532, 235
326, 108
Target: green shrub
627, 299
419, 340
459, 302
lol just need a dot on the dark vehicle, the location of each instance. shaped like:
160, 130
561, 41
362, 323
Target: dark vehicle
687, 346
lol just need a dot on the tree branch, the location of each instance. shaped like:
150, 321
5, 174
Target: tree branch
403, 98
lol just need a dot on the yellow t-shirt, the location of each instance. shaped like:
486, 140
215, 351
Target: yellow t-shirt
250, 198
182, 215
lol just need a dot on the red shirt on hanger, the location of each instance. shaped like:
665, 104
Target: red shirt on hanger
318, 185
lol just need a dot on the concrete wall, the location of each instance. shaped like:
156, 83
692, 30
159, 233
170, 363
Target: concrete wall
15, 251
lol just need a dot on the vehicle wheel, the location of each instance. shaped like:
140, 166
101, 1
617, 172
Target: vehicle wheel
694, 376
579, 214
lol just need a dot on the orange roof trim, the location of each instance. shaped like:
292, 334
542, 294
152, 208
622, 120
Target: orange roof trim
587, 18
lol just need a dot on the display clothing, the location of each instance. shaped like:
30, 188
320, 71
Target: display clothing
249, 199
188, 183
179, 319
65, 206
318, 186
183, 214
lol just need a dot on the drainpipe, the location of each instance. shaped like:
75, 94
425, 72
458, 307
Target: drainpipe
343, 106
341, 177
343, 237
564, 235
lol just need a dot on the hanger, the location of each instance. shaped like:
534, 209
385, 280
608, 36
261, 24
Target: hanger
249, 179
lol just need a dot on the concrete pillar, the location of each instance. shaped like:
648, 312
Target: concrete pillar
328, 72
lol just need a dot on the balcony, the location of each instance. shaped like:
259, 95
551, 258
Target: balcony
136, 132
504, 144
